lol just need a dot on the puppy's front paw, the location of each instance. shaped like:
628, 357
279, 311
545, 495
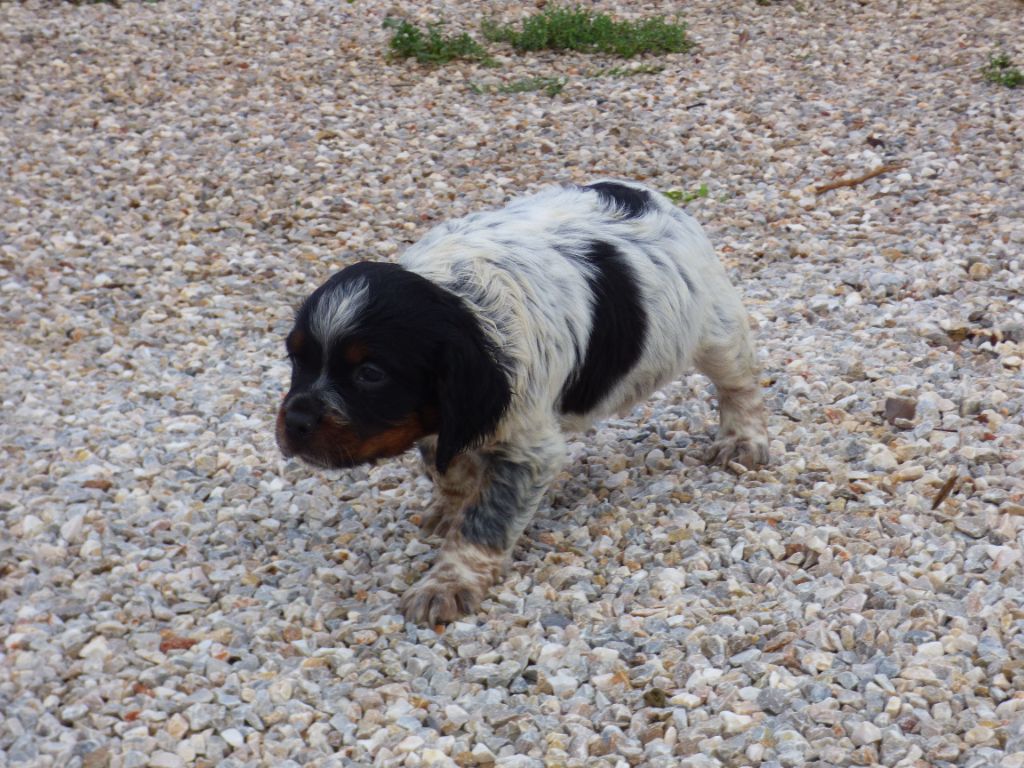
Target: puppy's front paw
749, 450
434, 601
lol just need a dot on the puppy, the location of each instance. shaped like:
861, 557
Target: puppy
497, 333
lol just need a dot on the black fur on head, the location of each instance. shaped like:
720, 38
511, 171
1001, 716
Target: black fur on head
382, 357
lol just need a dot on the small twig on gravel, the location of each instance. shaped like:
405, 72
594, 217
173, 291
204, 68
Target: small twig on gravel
945, 490
858, 179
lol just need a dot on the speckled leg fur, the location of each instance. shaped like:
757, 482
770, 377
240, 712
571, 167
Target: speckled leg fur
743, 430
452, 491
477, 548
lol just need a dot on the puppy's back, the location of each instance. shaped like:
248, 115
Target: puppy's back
600, 293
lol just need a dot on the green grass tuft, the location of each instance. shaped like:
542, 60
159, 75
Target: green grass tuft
119, 4
577, 29
431, 46
677, 196
1001, 70
640, 69
552, 86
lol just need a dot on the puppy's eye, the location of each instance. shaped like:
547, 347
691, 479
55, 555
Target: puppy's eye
369, 376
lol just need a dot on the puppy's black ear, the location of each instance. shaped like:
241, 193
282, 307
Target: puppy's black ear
474, 392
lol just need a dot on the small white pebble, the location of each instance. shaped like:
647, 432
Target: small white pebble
233, 737
865, 732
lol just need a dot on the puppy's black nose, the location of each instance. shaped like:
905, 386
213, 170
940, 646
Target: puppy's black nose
301, 416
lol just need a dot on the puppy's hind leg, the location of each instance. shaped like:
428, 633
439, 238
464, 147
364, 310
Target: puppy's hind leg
514, 479
726, 356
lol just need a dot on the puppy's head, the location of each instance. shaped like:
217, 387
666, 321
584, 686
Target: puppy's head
382, 357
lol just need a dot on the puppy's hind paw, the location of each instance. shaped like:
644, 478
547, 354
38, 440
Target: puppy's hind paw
431, 602
751, 452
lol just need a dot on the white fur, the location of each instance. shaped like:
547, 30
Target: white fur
532, 300
335, 312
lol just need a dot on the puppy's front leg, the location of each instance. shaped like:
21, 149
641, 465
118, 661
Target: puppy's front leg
452, 491
513, 481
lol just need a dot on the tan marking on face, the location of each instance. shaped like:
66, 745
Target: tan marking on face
336, 443
355, 352
296, 341
392, 441
282, 435
334, 440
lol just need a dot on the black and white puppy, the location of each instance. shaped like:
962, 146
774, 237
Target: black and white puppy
495, 334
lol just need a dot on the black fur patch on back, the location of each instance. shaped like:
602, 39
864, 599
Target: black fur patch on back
617, 334
631, 202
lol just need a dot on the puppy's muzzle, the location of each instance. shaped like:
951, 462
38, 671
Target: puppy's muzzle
302, 415
297, 423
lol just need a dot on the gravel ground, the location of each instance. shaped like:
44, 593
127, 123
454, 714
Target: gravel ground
176, 176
